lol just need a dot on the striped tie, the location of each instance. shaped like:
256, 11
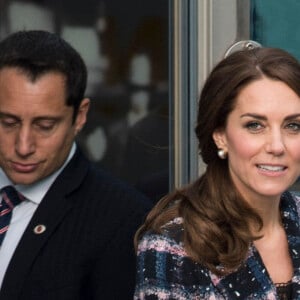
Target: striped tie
10, 198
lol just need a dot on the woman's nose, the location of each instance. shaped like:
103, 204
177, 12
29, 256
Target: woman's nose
275, 143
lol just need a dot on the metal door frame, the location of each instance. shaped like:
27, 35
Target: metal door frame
200, 32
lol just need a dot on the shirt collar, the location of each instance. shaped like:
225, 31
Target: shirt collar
36, 192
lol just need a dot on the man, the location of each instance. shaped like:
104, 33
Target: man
71, 236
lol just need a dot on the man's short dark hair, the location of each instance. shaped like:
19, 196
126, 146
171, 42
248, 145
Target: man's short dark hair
37, 52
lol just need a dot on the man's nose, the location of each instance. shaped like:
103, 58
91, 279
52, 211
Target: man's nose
25, 142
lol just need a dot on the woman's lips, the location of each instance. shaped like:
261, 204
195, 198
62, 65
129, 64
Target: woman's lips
272, 170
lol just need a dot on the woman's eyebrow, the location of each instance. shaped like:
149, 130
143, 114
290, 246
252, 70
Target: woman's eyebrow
254, 115
262, 117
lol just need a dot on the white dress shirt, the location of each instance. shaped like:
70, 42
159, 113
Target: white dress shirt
23, 212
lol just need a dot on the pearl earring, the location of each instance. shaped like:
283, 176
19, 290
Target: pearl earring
222, 153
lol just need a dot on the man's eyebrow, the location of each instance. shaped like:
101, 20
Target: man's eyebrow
9, 115
47, 118
39, 118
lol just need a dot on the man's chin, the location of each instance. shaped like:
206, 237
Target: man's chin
23, 179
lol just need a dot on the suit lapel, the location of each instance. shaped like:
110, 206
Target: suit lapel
50, 213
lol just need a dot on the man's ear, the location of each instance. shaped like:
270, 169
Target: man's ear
82, 114
219, 138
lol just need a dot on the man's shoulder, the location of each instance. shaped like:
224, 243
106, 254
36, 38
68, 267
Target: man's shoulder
100, 185
104, 179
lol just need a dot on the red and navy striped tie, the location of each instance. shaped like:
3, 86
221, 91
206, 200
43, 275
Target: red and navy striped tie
10, 199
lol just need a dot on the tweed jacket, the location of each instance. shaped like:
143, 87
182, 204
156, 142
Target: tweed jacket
164, 271
86, 251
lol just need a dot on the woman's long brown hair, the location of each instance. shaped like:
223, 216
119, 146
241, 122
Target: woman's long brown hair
216, 218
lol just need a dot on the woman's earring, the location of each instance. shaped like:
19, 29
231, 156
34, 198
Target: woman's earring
222, 153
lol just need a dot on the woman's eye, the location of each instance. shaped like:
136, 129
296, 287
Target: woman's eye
254, 126
295, 127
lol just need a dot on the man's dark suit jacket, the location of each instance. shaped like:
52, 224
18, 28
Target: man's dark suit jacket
86, 251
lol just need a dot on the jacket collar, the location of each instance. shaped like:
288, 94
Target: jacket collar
251, 280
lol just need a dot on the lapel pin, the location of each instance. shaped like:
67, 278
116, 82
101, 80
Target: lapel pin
38, 229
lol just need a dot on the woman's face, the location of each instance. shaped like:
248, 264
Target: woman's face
262, 139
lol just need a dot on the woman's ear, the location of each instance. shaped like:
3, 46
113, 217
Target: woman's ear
219, 138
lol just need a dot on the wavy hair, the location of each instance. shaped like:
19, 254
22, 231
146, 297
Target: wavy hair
217, 221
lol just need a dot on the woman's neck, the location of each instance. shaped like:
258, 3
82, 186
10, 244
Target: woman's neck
269, 211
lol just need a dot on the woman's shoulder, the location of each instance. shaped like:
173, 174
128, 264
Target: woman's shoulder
169, 239
174, 229
295, 195
290, 204
292, 197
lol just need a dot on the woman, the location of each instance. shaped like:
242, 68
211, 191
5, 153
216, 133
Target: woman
233, 233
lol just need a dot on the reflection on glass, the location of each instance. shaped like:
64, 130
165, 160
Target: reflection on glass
125, 47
